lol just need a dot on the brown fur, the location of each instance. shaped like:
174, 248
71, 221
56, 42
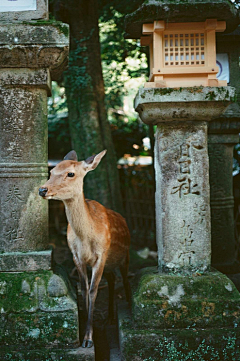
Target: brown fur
97, 236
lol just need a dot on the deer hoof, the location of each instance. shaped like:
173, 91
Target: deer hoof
87, 343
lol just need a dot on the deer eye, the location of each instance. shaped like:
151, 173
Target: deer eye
71, 174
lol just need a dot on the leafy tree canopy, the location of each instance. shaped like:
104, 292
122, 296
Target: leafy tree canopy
124, 64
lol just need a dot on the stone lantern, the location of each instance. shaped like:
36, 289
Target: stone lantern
183, 301
39, 319
182, 54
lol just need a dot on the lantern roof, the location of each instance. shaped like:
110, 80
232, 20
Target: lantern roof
180, 11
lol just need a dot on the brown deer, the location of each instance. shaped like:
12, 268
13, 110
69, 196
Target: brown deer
97, 236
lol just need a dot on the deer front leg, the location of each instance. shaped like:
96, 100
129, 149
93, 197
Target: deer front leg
84, 287
97, 272
82, 273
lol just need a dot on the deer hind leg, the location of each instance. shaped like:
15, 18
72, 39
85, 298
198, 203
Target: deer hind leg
124, 272
110, 277
97, 272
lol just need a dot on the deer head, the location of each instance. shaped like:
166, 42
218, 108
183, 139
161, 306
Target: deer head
66, 179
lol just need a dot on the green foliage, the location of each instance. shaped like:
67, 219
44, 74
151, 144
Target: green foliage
168, 351
236, 3
122, 59
58, 127
124, 65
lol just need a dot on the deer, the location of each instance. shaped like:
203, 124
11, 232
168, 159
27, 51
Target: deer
97, 236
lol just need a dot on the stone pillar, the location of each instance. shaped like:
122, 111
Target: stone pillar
28, 53
182, 172
184, 302
223, 135
23, 152
182, 196
38, 317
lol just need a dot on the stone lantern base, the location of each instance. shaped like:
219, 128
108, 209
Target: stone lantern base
174, 315
39, 320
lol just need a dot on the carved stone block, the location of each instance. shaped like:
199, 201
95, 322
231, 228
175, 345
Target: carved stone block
34, 45
182, 196
23, 167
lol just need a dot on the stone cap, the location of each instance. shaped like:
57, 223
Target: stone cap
41, 12
157, 105
25, 261
35, 44
180, 11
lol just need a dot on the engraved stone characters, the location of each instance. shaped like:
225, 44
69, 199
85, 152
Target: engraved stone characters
183, 196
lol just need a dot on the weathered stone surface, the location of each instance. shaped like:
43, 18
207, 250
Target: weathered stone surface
162, 301
41, 12
180, 11
30, 315
37, 315
45, 354
56, 287
175, 344
34, 45
182, 196
25, 261
220, 148
26, 77
157, 105
174, 316
223, 134
23, 153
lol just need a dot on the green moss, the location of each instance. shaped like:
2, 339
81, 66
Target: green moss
169, 91
42, 354
172, 344
62, 28
15, 299
165, 91
181, 346
162, 301
39, 329
30, 315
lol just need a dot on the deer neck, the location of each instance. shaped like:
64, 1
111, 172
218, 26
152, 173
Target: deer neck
78, 215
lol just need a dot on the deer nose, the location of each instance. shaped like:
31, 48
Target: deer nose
42, 191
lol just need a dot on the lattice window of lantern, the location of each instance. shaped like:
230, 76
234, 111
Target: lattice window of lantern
184, 49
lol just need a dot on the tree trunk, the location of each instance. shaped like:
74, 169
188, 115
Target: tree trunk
89, 127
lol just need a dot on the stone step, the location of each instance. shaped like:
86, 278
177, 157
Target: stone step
44, 354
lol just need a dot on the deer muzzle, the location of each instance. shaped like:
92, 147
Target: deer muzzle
42, 192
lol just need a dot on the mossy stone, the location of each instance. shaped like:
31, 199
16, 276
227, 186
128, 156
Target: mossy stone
43, 354
35, 310
199, 300
180, 11
62, 27
176, 344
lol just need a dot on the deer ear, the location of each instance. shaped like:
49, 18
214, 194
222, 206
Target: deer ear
92, 162
71, 156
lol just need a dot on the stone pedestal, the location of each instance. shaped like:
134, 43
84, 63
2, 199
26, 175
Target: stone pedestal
39, 320
183, 303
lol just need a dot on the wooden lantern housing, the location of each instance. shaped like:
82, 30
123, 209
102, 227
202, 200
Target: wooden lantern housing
182, 54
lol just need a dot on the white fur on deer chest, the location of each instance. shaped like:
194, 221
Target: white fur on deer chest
87, 251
